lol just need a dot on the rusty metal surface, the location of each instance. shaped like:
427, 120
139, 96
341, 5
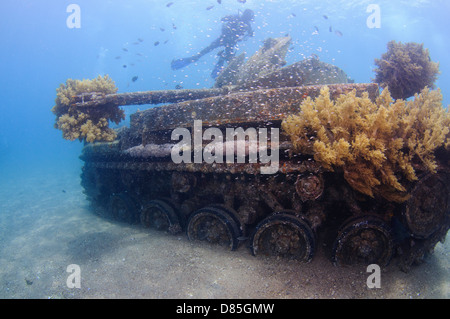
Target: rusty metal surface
285, 167
243, 107
100, 149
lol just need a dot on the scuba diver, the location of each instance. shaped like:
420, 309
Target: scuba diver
235, 28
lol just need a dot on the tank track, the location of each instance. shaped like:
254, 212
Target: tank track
289, 214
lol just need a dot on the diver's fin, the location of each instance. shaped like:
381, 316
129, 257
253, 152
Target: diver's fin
180, 63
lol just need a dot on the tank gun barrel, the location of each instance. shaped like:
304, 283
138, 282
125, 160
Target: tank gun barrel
148, 97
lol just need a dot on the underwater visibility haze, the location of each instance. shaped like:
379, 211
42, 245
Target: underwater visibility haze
51, 185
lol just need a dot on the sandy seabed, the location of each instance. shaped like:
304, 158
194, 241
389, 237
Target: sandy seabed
46, 224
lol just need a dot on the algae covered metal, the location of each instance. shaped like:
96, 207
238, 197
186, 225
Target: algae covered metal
233, 166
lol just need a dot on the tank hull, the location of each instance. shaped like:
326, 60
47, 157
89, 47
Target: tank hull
230, 201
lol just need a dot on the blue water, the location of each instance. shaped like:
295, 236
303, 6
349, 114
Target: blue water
39, 51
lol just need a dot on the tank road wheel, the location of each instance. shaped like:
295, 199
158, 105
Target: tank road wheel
123, 207
286, 235
428, 207
160, 215
215, 225
363, 240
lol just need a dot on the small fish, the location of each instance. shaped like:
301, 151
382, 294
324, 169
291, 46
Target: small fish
166, 41
293, 14
140, 40
124, 66
242, 1
317, 29
325, 17
63, 190
162, 29
331, 29
178, 87
169, 4
117, 57
338, 33
209, 8
125, 49
156, 43
219, 1
134, 78
174, 26
140, 54
136, 43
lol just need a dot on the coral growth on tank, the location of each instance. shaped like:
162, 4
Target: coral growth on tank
86, 123
376, 145
405, 69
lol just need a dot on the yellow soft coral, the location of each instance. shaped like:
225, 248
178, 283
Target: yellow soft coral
88, 123
374, 144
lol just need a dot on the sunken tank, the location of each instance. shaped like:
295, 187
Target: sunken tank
242, 165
